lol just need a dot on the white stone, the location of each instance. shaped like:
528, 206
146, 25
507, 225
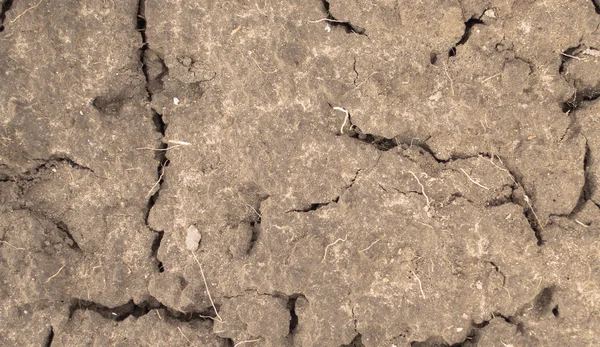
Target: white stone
192, 240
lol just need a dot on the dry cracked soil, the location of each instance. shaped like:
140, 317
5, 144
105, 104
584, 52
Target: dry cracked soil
300, 173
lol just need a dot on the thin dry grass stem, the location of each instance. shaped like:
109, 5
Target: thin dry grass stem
259, 10
420, 284
422, 189
581, 223
15, 247
449, 78
158, 313
56, 274
528, 201
572, 56
177, 142
261, 69
245, 341
503, 287
234, 31
472, 180
371, 245
491, 77
160, 149
185, 337
22, 13
526, 197
255, 211
345, 118
206, 286
326, 20
361, 83
160, 177
332, 244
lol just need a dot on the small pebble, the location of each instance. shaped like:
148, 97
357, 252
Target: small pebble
176, 101
192, 240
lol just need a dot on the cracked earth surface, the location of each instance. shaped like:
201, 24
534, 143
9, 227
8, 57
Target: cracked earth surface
300, 173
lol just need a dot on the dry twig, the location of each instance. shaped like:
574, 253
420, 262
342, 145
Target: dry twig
332, 244
245, 341
420, 285
422, 190
15, 247
345, 118
472, 180
22, 13
56, 274
185, 337
371, 245
206, 286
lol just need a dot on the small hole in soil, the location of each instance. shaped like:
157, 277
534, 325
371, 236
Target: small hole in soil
555, 311
1, 28
433, 58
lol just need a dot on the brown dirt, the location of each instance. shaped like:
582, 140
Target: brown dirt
457, 204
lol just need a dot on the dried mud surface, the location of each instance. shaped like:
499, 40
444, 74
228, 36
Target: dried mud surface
300, 173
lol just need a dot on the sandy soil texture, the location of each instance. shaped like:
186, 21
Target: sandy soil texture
300, 173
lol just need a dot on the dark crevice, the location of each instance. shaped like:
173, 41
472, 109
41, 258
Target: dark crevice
383, 143
555, 311
596, 5
499, 272
433, 58
438, 341
6, 6
122, 312
355, 71
317, 205
255, 220
118, 313
291, 306
589, 184
312, 207
160, 127
521, 197
155, 247
229, 343
578, 99
573, 102
52, 162
356, 342
60, 225
50, 337
71, 241
347, 26
468, 28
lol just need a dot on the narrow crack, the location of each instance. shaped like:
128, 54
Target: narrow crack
349, 27
122, 312
356, 342
469, 24
317, 205
155, 246
60, 225
50, 337
6, 6
355, 72
118, 313
499, 272
159, 126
